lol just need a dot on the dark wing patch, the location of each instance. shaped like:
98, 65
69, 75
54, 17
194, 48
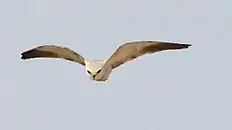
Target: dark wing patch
52, 51
38, 54
132, 50
163, 46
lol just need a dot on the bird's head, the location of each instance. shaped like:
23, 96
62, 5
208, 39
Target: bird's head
94, 68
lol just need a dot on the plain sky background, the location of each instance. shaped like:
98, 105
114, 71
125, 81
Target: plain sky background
172, 90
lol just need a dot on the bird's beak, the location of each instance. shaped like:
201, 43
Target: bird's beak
93, 75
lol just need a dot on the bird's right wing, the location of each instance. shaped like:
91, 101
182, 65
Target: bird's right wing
53, 51
132, 50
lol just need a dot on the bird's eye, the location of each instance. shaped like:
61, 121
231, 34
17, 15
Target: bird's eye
89, 72
99, 71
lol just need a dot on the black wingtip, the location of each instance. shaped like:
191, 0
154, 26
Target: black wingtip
188, 45
23, 56
28, 54
34, 53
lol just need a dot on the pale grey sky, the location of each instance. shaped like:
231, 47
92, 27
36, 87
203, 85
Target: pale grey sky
181, 90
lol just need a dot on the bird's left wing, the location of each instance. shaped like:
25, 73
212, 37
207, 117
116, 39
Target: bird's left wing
132, 50
53, 51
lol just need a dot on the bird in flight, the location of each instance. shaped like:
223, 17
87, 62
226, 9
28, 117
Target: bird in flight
100, 70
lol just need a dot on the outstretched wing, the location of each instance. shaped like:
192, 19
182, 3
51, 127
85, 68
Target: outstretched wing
132, 50
53, 51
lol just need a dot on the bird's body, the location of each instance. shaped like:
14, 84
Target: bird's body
100, 70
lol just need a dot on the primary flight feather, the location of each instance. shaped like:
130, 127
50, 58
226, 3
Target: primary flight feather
100, 70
